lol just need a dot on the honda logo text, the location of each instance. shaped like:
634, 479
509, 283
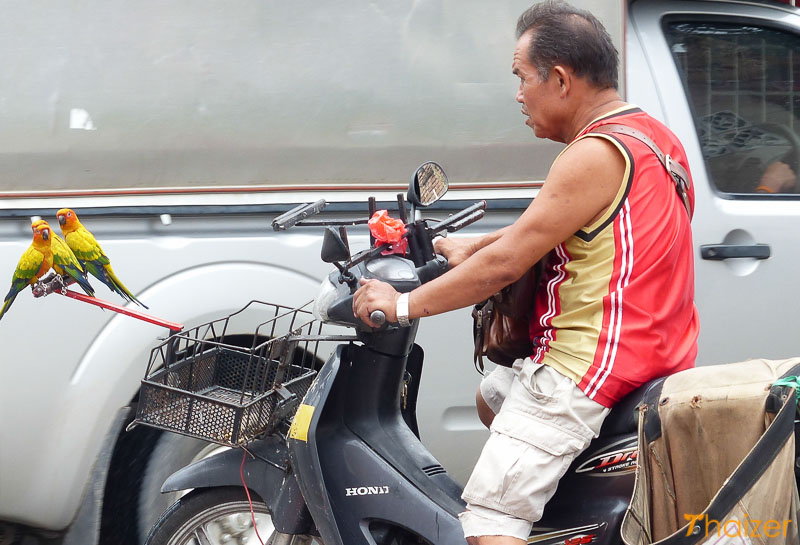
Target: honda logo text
366, 490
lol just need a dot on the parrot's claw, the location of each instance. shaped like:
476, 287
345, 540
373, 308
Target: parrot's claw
38, 289
62, 283
46, 286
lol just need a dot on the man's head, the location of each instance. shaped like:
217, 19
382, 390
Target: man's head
567, 65
562, 34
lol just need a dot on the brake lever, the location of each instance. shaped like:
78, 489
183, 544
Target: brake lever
472, 218
297, 214
331, 222
461, 219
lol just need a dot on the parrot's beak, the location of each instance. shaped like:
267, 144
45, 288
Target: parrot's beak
46, 234
62, 220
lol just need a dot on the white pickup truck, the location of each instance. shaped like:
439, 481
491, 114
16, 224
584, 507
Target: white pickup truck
178, 130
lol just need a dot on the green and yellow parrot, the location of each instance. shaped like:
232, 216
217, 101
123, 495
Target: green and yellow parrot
34, 263
90, 254
64, 261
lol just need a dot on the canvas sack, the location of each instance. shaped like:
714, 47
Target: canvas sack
716, 458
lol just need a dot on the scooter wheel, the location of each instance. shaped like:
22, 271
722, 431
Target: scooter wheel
212, 515
170, 453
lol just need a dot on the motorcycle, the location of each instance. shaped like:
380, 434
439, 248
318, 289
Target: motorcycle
346, 465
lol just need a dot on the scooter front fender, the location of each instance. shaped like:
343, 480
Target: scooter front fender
303, 449
264, 472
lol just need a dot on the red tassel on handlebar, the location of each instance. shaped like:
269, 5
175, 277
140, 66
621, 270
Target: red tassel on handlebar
387, 230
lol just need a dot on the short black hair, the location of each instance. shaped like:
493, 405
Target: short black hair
564, 34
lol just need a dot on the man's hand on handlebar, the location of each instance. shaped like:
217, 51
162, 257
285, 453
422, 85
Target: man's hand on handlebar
375, 295
456, 250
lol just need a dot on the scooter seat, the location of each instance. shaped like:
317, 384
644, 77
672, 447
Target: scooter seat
623, 416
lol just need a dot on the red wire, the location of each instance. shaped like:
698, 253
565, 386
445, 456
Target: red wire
249, 499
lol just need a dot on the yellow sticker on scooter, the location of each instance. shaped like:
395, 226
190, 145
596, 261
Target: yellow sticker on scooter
301, 423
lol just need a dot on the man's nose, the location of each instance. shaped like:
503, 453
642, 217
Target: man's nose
519, 95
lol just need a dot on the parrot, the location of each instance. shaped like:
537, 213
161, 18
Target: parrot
64, 261
34, 263
90, 254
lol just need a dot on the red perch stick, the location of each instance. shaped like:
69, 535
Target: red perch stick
172, 326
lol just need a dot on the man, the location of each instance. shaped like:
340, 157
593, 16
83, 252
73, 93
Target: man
616, 308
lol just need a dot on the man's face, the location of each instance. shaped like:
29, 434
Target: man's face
538, 98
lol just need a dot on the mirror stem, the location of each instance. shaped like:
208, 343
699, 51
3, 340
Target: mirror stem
373, 207
346, 276
401, 207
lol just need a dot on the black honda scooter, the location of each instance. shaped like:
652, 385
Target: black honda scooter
350, 468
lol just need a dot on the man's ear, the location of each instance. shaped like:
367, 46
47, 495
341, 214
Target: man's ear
563, 78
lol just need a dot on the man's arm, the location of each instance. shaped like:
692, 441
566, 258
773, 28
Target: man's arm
579, 188
457, 250
778, 178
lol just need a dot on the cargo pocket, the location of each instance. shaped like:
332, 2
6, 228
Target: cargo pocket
520, 466
542, 434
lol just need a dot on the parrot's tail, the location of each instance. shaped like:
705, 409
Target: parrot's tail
7, 304
83, 282
120, 288
77, 275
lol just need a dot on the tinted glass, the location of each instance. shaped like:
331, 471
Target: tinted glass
743, 82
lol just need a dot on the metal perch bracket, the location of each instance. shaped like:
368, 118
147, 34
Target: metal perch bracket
55, 283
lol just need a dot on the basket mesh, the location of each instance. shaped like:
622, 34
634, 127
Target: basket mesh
197, 385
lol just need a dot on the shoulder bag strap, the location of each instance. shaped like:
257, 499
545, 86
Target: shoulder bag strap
678, 174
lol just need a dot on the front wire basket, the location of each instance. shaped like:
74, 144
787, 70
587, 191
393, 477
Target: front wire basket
201, 383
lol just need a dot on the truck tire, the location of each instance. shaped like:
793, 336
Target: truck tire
171, 453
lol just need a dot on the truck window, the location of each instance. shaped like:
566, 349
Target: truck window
743, 84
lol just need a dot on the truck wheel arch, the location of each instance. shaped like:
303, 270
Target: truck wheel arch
191, 297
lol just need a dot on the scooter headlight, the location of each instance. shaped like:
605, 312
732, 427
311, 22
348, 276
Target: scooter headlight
325, 298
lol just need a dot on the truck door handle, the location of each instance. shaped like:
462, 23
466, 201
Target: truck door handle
718, 252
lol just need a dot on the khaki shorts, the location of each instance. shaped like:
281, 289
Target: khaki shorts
543, 422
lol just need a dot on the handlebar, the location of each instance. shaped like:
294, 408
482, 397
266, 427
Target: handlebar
426, 273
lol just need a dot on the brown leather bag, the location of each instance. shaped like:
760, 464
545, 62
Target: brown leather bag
501, 323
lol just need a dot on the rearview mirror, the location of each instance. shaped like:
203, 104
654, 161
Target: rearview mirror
334, 247
429, 184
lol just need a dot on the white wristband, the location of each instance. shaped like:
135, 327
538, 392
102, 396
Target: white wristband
402, 310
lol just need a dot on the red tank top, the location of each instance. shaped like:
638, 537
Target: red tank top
616, 305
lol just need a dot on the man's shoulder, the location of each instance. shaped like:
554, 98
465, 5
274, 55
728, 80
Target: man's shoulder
591, 164
587, 150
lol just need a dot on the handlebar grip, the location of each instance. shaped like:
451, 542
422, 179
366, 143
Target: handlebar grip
377, 317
